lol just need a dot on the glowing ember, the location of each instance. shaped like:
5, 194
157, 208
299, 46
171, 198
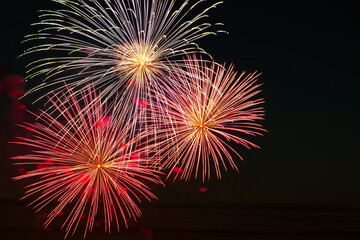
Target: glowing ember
203, 190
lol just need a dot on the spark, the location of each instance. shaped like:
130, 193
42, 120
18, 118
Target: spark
83, 166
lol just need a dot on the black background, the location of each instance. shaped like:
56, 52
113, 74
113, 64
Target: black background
304, 181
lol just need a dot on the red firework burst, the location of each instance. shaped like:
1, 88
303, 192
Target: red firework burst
207, 109
85, 161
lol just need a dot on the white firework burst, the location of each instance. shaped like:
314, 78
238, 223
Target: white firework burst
118, 46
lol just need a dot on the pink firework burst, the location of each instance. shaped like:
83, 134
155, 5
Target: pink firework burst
86, 161
207, 109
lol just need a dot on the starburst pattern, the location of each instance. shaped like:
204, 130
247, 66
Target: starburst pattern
118, 46
87, 160
207, 109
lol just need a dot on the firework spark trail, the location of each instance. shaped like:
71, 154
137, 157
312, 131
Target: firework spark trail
86, 163
207, 109
119, 46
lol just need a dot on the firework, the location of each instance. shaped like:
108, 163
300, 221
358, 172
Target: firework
87, 163
118, 46
207, 109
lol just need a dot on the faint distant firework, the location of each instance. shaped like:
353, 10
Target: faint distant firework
118, 46
85, 162
208, 109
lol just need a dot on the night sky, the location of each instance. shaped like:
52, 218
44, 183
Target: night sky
309, 156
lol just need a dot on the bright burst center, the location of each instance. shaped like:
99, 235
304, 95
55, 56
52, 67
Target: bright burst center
138, 62
142, 61
135, 57
200, 126
98, 165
